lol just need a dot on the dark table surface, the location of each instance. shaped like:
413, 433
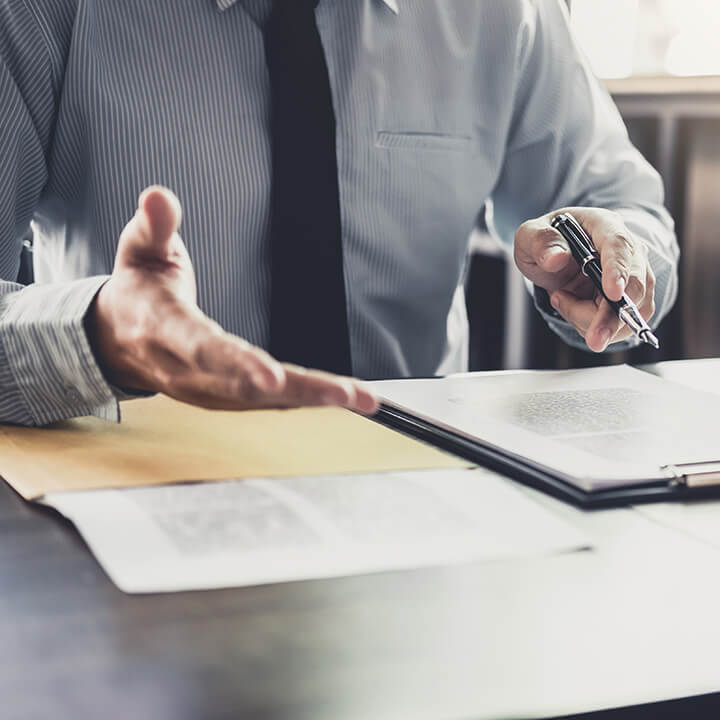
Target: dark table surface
423, 643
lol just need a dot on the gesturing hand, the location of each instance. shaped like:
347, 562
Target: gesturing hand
543, 257
148, 333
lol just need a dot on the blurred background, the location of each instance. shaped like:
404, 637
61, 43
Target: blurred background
660, 60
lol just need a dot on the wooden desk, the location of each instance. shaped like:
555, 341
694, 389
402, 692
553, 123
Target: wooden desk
634, 621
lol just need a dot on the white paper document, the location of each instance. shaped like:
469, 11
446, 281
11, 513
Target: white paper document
699, 520
256, 531
701, 374
594, 428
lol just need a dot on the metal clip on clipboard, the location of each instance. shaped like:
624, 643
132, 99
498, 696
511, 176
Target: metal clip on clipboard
694, 475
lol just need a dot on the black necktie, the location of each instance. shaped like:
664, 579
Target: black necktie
308, 316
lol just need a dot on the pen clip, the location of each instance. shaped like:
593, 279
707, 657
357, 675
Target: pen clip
693, 475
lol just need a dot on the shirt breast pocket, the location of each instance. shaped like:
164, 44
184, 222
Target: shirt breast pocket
433, 184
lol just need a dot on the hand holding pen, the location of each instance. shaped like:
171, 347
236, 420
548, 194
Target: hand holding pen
588, 258
619, 275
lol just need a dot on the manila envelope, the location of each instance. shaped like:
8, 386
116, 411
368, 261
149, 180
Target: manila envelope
162, 441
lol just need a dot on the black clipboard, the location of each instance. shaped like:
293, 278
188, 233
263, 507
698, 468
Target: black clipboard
689, 482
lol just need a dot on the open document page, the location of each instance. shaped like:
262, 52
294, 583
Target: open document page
594, 428
254, 531
702, 374
700, 520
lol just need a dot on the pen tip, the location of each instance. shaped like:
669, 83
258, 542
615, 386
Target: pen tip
650, 339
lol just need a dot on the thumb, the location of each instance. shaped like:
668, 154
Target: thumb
148, 236
162, 210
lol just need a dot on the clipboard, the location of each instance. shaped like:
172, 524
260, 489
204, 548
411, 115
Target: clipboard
681, 480
686, 482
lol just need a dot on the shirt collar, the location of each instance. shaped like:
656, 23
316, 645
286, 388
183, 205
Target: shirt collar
392, 4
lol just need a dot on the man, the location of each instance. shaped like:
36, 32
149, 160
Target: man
423, 112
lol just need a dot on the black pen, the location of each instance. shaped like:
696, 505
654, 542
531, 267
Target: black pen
588, 258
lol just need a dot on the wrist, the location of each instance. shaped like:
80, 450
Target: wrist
99, 326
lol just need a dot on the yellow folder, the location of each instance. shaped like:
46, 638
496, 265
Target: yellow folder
162, 441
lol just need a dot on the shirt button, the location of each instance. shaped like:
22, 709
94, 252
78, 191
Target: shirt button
73, 396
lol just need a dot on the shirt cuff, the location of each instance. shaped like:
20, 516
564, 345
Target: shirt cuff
52, 366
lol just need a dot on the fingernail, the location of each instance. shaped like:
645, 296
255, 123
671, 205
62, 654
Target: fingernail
604, 335
555, 301
335, 397
551, 252
619, 277
261, 381
269, 376
277, 376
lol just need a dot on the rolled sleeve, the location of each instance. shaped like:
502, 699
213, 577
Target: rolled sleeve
49, 372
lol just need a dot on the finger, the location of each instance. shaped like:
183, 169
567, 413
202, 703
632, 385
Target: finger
229, 372
215, 393
646, 308
649, 301
163, 211
641, 285
604, 327
241, 390
366, 402
577, 312
538, 243
617, 259
303, 388
607, 327
226, 355
635, 289
151, 233
361, 398
617, 248
314, 387
641, 291
236, 369
542, 255
581, 314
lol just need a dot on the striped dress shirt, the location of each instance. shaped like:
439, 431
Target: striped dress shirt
444, 109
